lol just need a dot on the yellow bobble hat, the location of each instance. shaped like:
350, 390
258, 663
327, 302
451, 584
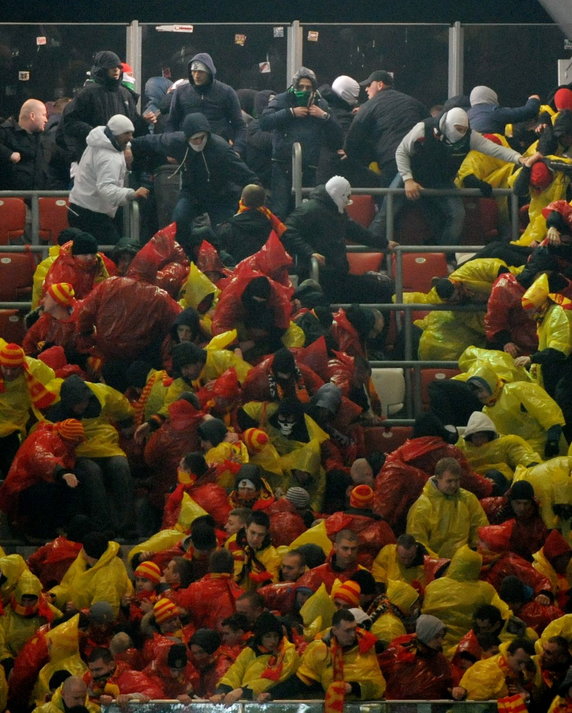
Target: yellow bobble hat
63, 293
255, 439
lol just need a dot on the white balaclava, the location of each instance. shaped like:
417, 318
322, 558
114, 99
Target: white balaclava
198, 147
346, 88
455, 116
339, 190
483, 95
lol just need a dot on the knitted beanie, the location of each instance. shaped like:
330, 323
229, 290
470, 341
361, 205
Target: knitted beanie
164, 610
71, 429
255, 439
148, 570
62, 292
348, 592
120, 124
12, 356
299, 497
84, 244
361, 497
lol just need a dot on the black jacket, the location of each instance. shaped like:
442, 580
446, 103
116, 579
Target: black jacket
216, 171
33, 171
317, 226
93, 106
310, 131
216, 100
380, 124
244, 234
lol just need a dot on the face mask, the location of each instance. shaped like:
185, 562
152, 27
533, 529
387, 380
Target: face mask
454, 138
286, 425
198, 146
302, 97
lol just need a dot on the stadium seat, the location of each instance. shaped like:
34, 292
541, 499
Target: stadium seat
360, 263
12, 219
390, 386
16, 274
429, 375
412, 227
481, 221
420, 268
53, 218
385, 440
12, 327
362, 210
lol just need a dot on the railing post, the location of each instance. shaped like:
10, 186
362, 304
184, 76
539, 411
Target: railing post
456, 59
133, 54
297, 172
514, 217
35, 220
294, 50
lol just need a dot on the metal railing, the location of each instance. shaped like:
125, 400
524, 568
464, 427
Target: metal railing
310, 706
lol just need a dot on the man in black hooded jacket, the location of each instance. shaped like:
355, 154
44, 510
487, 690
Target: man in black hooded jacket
207, 95
212, 174
96, 103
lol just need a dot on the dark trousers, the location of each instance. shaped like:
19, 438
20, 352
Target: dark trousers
102, 227
107, 492
281, 202
8, 447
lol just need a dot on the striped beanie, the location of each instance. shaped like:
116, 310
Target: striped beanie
12, 356
149, 570
164, 610
63, 293
71, 429
299, 497
255, 439
348, 592
361, 497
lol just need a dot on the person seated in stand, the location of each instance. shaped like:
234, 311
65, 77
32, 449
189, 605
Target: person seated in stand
256, 562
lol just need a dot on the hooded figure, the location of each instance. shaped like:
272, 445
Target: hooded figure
299, 114
488, 117
455, 597
486, 450
212, 174
206, 94
96, 103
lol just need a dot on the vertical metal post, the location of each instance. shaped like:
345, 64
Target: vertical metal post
133, 54
297, 172
35, 227
514, 216
294, 50
456, 60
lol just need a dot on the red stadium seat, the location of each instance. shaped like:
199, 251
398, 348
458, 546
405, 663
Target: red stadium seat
430, 375
12, 327
360, 263
16, 275
481, 221
420, 268
385, 440
362, 210
12, 219
412, 227
53, 218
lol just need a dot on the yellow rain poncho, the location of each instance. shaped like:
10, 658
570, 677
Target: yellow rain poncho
503, 453
552, 486
57, 705
18, 624
196, 288
63, 647
248, 669
447, 334
389, 626
386, 566
444, 523
499, 363
15, 402
102, 438
485, 679
106, 581
539, 199
454, 598
317, 611
40, 274
316, 667
559, 627
307, 459
316, 535
521, 408
11, 567
554, 332
162, 540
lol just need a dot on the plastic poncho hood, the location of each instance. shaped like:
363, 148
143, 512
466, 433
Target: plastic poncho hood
401, 595
465, 565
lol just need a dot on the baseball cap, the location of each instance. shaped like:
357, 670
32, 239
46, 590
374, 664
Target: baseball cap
380, 75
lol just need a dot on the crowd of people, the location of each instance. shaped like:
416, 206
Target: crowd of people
184, 395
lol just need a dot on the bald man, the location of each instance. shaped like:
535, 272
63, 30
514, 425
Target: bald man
26, 152
72, 693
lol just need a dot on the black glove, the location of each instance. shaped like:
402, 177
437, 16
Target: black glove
551, 449
472, 181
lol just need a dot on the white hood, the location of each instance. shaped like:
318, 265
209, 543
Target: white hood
98, 139
479, 421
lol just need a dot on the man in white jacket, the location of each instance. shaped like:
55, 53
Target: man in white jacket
99, 188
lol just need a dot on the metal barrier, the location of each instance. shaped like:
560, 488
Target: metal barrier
310, 706
131, 215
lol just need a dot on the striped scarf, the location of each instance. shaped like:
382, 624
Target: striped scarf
277, 225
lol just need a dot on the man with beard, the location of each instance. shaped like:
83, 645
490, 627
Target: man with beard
108, 680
